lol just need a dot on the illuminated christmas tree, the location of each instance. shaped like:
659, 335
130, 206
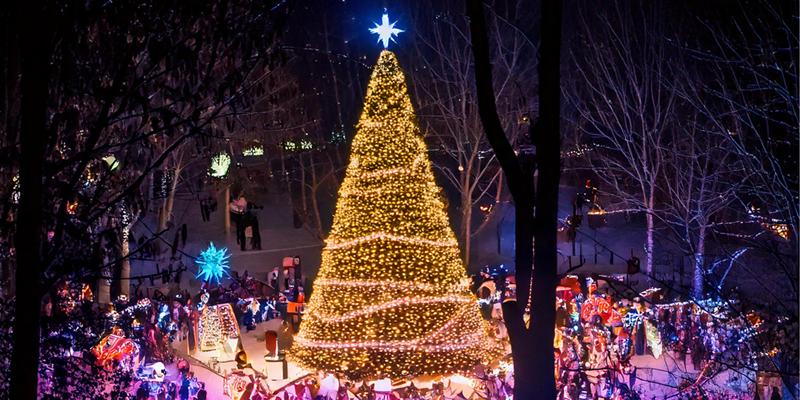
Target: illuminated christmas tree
390, 297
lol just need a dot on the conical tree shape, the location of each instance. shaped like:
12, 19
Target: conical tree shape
390, 297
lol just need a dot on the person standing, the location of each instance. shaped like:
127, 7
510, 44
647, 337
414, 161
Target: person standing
238, 208
252, 222
184, 390
201, 394
205, 211
142, 392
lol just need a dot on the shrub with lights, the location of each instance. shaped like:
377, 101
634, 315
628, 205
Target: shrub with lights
390, 298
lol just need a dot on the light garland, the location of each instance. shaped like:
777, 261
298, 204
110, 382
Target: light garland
390, 171
419, 344
405, 345
386, 236
382, 284
390, 298
407, 301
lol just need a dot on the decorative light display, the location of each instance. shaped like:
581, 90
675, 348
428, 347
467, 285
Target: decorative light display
253, 151
15, 189
385, 30
390, 298
114, 350
780, 230
217, 324
212, 264
219, 165
72, 206
162, 182
111, 161
778, 227
653, 339
299, 145
578, 151
338, 136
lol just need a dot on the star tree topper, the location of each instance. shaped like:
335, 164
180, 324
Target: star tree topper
385, 30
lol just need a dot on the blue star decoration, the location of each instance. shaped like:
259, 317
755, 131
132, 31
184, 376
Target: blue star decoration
212, 264
385, 30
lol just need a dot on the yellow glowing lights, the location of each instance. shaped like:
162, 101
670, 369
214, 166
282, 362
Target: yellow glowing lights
378, 236
781, 230
390, 305
390, 298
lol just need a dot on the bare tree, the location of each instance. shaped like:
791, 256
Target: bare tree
313, 152
624, 109
118, 78
445, 91
749, 101
752, 96
697, 189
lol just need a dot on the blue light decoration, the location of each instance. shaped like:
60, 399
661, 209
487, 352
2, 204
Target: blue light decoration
163, 317
212, 264
385, 30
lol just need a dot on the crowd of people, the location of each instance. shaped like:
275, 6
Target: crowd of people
599, 334
330, 386
132, 340
597, 339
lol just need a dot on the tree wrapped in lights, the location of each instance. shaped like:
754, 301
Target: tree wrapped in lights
390, 297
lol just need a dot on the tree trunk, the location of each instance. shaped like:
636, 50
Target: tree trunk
303, 200
10, 104
125, 264
466, 217
227, 202
699, 264
162, 215
10, 112
104, 285
649, 239
29, 233
318, 231
523, 342
169, 202
532, 348
547, 138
